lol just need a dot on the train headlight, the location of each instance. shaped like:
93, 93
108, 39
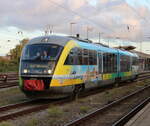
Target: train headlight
25, 71
49, 71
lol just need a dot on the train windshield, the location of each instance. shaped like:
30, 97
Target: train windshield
41, 52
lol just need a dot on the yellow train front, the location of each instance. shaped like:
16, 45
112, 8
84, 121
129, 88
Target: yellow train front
42, 72
56, 66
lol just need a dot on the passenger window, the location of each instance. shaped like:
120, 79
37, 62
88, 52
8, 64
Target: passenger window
92, 57
70, 58
100, 62
109, 63
79, 55
104, 63
85, 56
125, 63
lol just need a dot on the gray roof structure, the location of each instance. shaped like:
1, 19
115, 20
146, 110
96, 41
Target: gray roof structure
59, 40
62, 41
141, 54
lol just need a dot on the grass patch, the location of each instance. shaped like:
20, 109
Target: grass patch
6, 124
12, 95
55, 112
55, 122
84, 109
82, 100
32, 122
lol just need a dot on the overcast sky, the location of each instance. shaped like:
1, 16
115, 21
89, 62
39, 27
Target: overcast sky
128, 20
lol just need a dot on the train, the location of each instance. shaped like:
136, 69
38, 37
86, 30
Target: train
56, 66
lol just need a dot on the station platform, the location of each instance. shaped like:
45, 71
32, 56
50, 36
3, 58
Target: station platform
142, 118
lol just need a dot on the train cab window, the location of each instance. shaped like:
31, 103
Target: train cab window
41, 52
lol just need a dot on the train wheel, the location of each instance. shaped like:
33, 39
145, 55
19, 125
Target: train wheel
116, 84
78, 89
117, 81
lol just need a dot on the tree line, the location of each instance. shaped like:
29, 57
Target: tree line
10, 63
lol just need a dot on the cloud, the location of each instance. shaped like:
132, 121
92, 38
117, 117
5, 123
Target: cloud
108, 16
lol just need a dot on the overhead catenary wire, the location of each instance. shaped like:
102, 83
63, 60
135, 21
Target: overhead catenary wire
80, 15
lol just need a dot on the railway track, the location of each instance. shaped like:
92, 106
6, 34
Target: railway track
11, 81
15, 110
143, 76
132, 113
107, 115
8, 84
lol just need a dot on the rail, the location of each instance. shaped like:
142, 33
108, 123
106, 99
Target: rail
3, 77
39, 107
133, 112
101, 110
30, 106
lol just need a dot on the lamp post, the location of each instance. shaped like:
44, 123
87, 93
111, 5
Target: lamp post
49, 29
87, 31
141, 46
118, 38
140, 42
108, 42
71, 27
99, 36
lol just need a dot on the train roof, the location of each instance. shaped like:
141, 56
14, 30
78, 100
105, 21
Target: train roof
102, 48
96, 47
62, 41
